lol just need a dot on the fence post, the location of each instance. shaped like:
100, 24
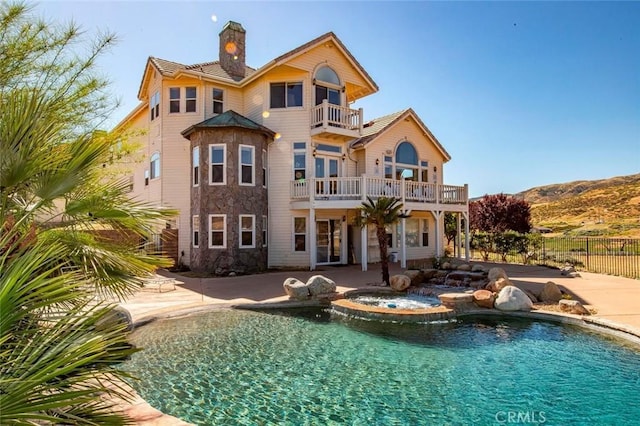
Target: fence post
588, 269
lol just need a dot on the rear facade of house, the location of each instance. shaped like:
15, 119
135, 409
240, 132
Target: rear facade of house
268, 166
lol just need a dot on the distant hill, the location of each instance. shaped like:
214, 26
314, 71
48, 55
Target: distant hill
605, 207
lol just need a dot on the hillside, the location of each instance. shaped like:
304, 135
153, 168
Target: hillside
606, 207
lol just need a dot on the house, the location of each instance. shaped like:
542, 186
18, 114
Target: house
268, 166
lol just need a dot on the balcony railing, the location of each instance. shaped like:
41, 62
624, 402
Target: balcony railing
332, 118
359, 188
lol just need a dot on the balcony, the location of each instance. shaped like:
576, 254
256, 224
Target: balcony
335, 121
349, 192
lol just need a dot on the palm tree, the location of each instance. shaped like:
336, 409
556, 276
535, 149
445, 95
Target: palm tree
381, 212
58, 341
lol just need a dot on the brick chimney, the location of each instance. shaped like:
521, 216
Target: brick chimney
232, 47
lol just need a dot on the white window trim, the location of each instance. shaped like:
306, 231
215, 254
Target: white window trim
190, 99
195, 173
151, 166
293, 233
179, 99
286, 103
253, 230
214, 101
264, 168
224, 164
424, 231
224, 231
195, 219
253, 165
293, 162
265, 230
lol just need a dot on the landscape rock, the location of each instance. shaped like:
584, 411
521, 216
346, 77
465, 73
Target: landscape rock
478, 268
497, 285
296, 289
511, 298
495, 273
573, 307
116, 316
464, 267
550, 293
484, 298
319, 284
427, 274
573, 275
415, 275
400, 282
445, 265
566, 270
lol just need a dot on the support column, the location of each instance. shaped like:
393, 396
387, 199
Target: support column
458, 235
312, 238
438, 216
363, 248
467, 243
403, 243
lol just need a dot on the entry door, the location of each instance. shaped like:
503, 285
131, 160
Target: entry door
328, 241
326, 167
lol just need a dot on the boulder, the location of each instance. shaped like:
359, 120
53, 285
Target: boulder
427, 274
511, 298
416, 276
497, 285
319, 284
550, 293
484, 298
566, 270
478, 268
116, 316
464, 267
495, 273
445, 265
573, 307
400, 282
296, 289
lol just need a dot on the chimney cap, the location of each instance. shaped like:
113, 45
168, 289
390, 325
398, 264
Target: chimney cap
235, 26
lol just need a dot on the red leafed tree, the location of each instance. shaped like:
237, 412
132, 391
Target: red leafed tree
500, 213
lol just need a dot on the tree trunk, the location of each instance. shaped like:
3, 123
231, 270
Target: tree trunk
384, 257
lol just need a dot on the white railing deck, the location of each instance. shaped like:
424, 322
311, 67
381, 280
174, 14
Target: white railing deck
327, 116
359, 188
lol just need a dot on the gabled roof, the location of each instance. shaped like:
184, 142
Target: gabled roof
378, 126
228, 118
206, 69
327, 37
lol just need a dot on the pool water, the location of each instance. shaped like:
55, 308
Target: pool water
249, 368
411, 301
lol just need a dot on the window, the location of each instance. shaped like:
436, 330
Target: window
412, 231
286, 95
425, 232
264, 168
247, 158
218, 175
265, 224
154, 105
327, 75
174, 99
218, 98
327, 85
299, 160
424, 171
300, 234
217, 231
388, 167
195, 235
146, 177
247, 231
154, 165
196, 165
406, 162
190, 99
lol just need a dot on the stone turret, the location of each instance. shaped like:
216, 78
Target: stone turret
232, 50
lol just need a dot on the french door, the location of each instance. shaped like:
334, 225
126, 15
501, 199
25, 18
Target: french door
326, 167
328, 241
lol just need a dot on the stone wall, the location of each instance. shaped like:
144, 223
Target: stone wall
232, 200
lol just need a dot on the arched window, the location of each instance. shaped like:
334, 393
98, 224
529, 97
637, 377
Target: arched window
327, 86
327, 75
154, 165
406, 161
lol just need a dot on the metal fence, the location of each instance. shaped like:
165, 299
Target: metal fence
611, 256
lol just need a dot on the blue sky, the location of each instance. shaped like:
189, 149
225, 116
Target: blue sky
521, 94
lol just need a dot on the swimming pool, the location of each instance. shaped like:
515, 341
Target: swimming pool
248, 368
